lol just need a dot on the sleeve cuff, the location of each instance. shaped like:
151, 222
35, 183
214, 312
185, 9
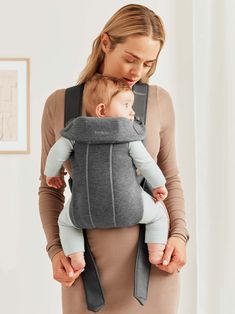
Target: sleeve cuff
53, 249
184, 237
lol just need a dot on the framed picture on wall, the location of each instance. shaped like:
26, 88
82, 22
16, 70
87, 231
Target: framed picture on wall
14, 105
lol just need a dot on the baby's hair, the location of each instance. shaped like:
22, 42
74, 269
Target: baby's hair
101, 89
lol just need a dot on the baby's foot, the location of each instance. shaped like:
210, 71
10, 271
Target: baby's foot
156, 252
77, 260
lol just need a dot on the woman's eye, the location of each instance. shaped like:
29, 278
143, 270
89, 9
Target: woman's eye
148, 65
130, 61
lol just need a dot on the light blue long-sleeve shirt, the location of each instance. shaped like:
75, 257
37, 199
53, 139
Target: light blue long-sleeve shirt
62, 149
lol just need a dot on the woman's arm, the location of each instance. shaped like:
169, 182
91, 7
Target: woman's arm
166, 160
51, 201
175, 252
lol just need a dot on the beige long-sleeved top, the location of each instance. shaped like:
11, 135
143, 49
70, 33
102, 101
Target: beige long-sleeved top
160, 142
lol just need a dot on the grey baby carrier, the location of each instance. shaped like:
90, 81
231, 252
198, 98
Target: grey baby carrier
91, 280
105, 191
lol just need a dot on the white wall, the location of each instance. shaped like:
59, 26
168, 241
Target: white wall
57, 36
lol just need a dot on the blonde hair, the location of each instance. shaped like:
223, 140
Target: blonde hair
101, 89
132, 19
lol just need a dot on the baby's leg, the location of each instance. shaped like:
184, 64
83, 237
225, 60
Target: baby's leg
71, 239
156, 218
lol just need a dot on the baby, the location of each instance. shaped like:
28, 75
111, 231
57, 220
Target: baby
109, 99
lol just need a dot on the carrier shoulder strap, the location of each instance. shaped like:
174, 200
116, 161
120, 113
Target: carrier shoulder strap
91, 280
73, 103
141, 100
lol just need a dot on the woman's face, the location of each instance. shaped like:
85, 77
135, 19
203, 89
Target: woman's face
130, 60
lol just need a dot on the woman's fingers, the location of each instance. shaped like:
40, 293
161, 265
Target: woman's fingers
68, 267
78, 273
170, 268
63, 270
174, 257
167, 254
69, 283
61, 276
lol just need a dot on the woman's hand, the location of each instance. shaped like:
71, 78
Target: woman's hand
174, 257
63, 271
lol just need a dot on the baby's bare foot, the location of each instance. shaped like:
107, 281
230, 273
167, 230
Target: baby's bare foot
156, 258
156, 252
77, 260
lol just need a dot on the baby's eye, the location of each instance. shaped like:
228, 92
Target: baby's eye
126, 105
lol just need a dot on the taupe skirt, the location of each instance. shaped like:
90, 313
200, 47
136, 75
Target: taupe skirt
114, 251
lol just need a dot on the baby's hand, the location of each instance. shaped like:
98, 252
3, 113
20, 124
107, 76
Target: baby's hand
55, 182
160, 193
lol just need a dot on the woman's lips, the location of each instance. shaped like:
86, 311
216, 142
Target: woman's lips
130, 82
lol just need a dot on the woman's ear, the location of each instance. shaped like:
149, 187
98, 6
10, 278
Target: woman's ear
100, 111
105, 42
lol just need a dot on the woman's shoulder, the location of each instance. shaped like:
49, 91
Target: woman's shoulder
54, 103
55, 98
161, 98
160, 103
53, 113
160, 94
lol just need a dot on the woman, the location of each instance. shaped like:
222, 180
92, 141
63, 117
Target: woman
128, 47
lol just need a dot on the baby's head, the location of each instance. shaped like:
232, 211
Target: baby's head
106, 96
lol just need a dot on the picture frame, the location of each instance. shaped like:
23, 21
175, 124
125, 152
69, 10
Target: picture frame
14, 105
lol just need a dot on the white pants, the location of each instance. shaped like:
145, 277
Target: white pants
155, 217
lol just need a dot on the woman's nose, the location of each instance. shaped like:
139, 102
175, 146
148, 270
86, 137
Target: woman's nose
136, 71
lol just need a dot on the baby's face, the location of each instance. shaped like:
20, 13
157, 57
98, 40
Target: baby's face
121, 106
